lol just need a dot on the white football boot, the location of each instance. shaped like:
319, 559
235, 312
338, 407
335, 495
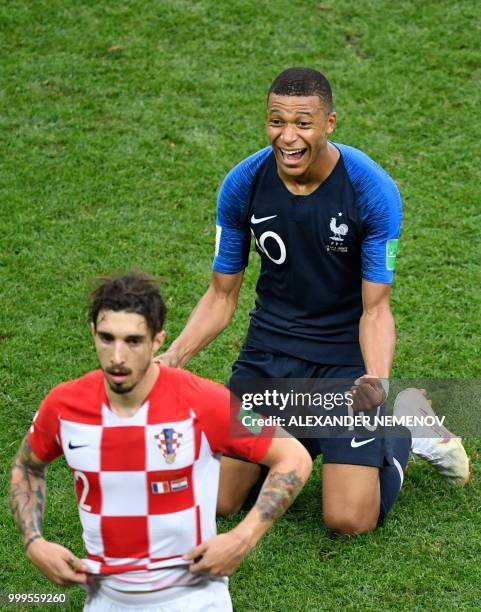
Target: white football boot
436, 444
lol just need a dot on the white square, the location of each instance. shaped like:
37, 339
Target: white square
81, 445
157, 458
172, 534
92, 536
206, 485
109, 419
123, 493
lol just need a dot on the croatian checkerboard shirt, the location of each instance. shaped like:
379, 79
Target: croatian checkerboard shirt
146, 485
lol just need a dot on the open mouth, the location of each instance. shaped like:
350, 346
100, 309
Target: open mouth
118, 376
292, 155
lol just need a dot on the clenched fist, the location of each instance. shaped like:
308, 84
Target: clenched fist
368, 392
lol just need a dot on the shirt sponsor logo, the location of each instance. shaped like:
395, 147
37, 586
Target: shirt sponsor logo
254, 221
168, 440
356, 444
74, 446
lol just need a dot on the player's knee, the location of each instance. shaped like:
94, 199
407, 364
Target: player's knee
228, 506
348, 522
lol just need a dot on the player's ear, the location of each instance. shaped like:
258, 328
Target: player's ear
331, 123
92, 329
158, 341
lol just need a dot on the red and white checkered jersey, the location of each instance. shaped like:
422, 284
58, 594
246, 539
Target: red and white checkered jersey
146, 485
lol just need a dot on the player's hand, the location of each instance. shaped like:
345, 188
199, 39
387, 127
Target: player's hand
169, 359
219, 556
367, 393
57, 563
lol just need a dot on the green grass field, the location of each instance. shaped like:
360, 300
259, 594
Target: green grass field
118, 122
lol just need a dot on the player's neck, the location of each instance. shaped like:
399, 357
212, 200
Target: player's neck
125, 405
307, 183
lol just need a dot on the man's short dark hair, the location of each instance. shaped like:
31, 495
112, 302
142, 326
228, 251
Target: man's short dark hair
135, 292
303, 82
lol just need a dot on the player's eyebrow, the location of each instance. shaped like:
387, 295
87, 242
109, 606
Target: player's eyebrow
105, 335
135, 338
276, 111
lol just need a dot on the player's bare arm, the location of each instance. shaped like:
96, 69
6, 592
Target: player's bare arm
377, 331
27, 493
277, 494
212, 314
27, 500
377, 337
290, 467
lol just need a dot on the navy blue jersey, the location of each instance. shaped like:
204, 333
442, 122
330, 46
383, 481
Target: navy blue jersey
315, 251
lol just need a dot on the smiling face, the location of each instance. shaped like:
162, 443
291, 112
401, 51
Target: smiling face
298, 127
125, 348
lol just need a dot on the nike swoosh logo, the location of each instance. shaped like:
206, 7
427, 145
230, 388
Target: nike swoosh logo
254, 221
355, 444
72, 447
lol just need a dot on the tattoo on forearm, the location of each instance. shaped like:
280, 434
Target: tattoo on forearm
27, 493
277, 494
30, 540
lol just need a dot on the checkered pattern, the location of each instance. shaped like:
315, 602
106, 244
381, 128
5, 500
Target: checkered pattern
146, 485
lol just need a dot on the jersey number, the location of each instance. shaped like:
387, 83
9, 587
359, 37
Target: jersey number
85, 491
280, 243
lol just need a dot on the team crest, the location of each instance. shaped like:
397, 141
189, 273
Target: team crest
169, 441
338, 232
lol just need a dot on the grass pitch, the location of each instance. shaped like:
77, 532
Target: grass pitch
118, 122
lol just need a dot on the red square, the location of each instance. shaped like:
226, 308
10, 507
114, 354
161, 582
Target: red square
81, 412
87, 488
123, 449
175, 490
125, 536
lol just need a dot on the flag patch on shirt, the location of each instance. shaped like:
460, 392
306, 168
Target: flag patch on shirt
179, 485
170, 486
161, 487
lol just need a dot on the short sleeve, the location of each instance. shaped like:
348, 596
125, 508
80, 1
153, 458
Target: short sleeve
44, 432
382, 229
232, 242
380, 207
212, 405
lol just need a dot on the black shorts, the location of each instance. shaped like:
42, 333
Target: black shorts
254, 363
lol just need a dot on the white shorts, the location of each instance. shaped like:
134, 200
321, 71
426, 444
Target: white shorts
209, 596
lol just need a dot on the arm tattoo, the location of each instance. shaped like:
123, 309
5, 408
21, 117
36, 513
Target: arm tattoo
27, 493
277, 494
